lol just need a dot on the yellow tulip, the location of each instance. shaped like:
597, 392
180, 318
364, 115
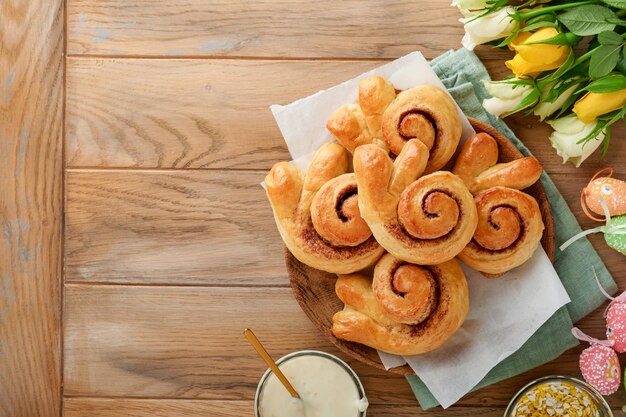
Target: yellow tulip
531, 60
519, 39
592, 105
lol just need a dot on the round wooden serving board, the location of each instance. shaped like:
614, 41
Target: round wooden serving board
315, 289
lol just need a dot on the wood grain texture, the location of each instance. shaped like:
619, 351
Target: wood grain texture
109, 407
215, 114
114, 407
31, 103
193, 221
183, 342
196, 227
183, 227
186, 113
292, 28
187, 342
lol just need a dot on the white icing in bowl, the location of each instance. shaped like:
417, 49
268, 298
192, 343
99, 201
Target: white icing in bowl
328, 387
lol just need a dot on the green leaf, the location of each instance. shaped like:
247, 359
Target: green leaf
605, 143
616, 21
566, 38
607, 128
607, 84
603, 60
567, 65
588, 19
594, 133
568, 103
538, 25
529, 100
610, 38
562, 86
621, 64
508, 40
620, 4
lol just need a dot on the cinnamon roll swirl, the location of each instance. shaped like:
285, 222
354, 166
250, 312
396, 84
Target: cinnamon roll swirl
509, 231
477, 165
318, 215
426, 113
425, 221
407, 310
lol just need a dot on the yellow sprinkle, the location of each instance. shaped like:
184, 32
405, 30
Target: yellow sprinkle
556, 400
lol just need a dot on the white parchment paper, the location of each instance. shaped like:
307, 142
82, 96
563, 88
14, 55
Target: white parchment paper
504, 313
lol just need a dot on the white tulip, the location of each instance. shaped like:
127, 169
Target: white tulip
505, 97
496, 25
545, 109
568, 131
470, 7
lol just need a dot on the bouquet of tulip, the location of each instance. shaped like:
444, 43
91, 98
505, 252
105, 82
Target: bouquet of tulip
569, 65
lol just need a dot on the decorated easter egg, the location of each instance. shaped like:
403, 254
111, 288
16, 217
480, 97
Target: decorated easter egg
600, 368
616, 326
612, 190
615, 240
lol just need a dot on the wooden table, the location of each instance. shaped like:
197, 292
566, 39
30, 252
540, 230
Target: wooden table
136, 242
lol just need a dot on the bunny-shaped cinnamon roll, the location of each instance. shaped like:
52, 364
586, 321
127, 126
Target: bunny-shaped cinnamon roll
424, 221
407, 310
388, 120
510, 225
318, 214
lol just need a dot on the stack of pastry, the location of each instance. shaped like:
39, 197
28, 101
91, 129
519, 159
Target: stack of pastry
399, 201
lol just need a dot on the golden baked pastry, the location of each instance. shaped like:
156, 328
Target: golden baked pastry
478, 168
426, 113
410, 310
348, 126
354, 125
509, 231
425, 221
375, 95
318, 215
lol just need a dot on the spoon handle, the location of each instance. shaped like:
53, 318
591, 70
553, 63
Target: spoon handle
256, 344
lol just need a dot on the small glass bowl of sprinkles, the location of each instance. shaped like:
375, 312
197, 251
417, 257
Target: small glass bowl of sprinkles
558, 396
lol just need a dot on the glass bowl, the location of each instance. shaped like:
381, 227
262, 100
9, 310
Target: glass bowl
604, 410
342, 364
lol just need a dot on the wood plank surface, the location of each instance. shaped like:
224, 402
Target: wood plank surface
184, 342
31, 105
198, 113
186, 113
170, 245
108, 407
176, 227
291, 28
196, 227
188, 342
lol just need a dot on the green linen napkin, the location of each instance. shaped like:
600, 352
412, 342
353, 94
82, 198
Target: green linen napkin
461, 72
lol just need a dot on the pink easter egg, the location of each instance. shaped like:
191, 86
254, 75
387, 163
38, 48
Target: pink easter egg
616, 326
600, 368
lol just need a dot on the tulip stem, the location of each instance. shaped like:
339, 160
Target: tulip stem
544, 10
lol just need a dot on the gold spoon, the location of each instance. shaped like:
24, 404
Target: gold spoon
256, 344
